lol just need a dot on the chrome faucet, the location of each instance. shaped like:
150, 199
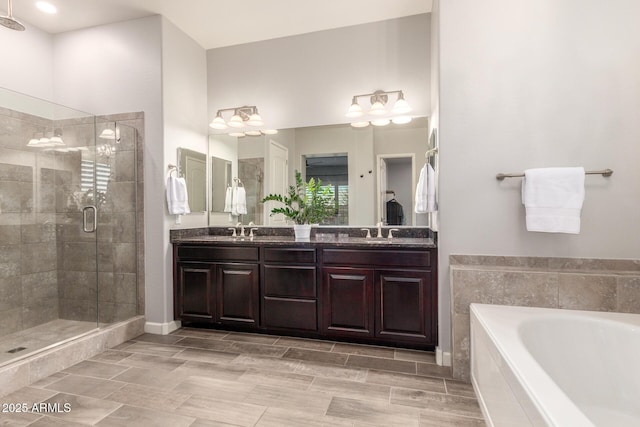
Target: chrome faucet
379, 225
233, 229
251, 232
391, 230
368, 236
241, 229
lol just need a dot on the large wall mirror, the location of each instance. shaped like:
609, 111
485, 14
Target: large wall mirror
367, 169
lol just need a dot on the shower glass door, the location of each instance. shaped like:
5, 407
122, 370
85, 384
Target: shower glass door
48, 225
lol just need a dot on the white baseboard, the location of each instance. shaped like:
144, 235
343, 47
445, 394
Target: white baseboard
162, 328
443, 358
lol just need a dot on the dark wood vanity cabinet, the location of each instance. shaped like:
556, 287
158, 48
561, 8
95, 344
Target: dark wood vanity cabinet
376, 295
238, 287
389, 296
348, 302
215, 284
290, 289
194, 292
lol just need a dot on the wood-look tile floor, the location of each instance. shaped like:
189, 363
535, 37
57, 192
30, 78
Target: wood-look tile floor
202, 378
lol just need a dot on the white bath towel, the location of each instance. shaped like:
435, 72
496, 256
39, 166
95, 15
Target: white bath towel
228, 198
426, 190
177, 197
553, 199
239, 201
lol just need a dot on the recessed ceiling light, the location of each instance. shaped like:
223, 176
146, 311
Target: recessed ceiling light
46, 7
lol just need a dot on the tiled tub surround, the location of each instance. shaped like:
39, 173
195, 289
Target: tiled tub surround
565, 283
211, 378
45, 259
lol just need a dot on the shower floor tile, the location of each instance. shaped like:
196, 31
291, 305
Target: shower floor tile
40, 337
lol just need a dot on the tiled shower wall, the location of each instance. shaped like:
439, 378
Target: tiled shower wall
565, 283
251, 173
47, 264
28, 279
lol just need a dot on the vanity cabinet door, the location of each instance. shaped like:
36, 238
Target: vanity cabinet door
238, 290
194, 298
403, 301
347, 302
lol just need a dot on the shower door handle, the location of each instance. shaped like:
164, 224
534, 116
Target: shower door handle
85, 227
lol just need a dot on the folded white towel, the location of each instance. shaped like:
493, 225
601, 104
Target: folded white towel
426, 190
177, 197
228, 199
553, 199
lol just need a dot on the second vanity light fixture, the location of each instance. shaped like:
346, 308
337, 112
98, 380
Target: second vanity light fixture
378, 109
241, 117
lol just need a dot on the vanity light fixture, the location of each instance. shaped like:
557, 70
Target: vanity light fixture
379, 100
55, 140
241, 116
254, 133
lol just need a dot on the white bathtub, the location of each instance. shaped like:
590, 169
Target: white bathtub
547, 367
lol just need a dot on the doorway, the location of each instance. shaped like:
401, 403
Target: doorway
396, 185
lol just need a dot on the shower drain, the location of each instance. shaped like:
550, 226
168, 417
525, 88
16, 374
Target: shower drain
17, 349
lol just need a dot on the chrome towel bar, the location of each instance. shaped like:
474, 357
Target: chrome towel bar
604, 172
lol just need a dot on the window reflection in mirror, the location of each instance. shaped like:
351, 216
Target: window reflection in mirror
332, 171
192, 166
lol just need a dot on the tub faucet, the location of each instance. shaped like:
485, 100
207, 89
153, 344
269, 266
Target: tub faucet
241, 229
379, 225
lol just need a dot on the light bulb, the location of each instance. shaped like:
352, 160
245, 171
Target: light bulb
401, 106
236, 121
253, 133
33, 142
218, 123
355, 110
107, 134
377, 108
270, 131
401, 120
255, 120
360, 124
380, 122
237, 134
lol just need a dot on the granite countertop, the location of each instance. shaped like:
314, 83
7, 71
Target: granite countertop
328, 240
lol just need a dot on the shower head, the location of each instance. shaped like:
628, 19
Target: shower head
9, 21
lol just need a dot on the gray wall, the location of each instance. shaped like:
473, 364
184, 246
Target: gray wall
539, 83
309, 79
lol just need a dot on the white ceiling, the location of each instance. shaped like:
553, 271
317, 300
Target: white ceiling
217, 23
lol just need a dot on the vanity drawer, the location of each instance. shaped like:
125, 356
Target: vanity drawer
287, 313
285, 281
375, 258
218, 253
290, 255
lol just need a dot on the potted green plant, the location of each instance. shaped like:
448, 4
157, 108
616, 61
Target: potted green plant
304, 204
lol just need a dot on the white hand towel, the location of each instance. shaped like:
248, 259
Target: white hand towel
234, 201
241, 201
228, 199
432, 203
426, 190
553, 199
177, 197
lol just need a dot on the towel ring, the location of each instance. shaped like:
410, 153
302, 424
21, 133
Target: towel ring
172, 169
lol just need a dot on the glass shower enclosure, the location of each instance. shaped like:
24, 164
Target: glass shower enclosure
67, 224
